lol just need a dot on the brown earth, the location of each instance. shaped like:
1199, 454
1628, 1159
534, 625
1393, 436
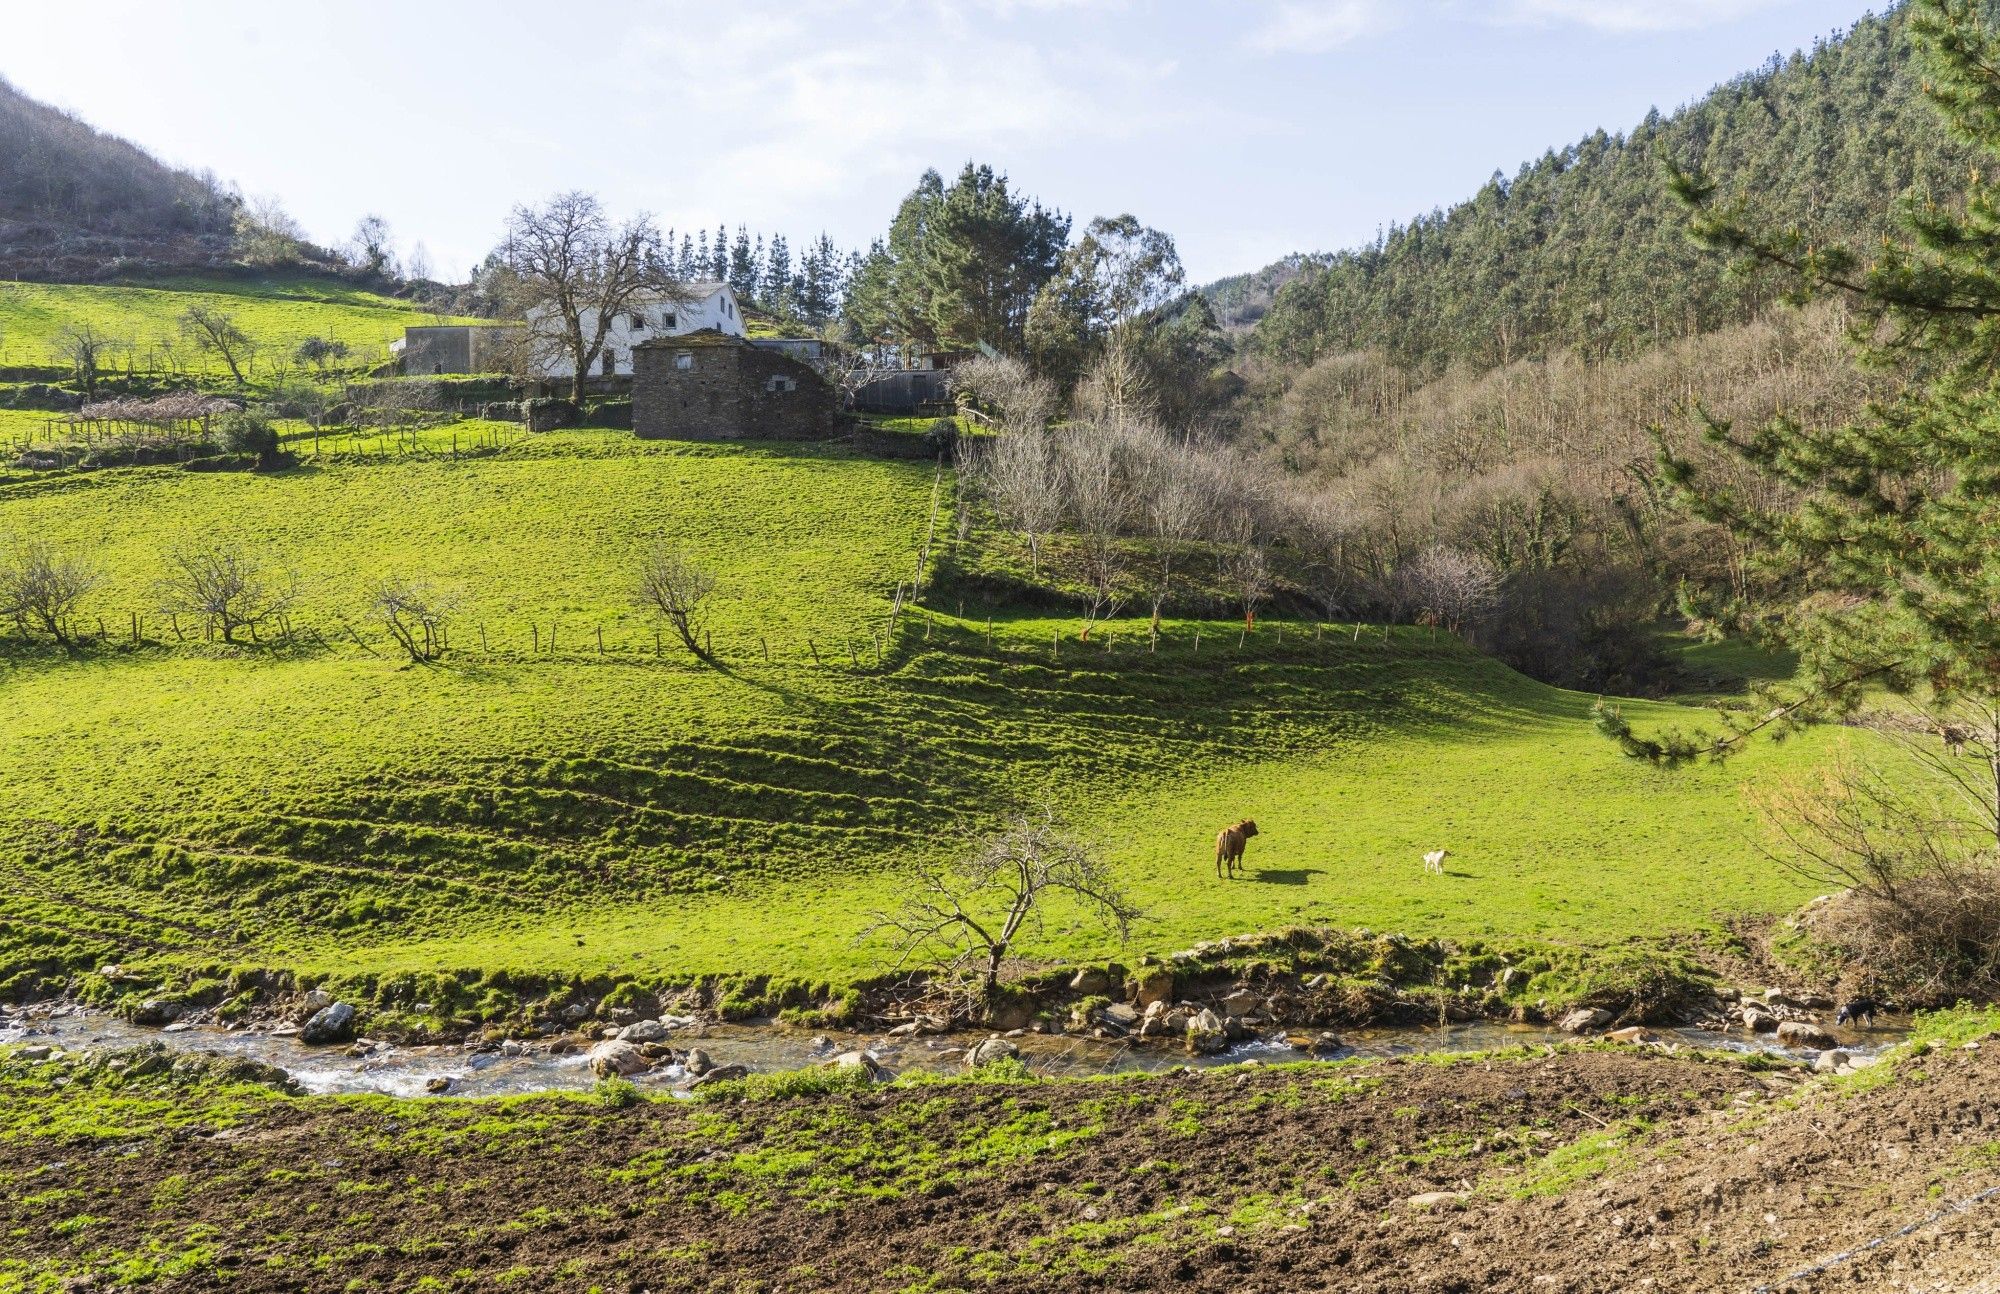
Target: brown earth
1588, 1171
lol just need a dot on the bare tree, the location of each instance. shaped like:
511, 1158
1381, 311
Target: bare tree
1020, 401
41, 587
1020, 473
961, 922
1175, 500
416, 615
1245, 565
1322, 522
1099, 498
213, 332
1452, 588
323, 353
226, 590
678, 589
1918, 912
573, 274
1115, 390
85, 348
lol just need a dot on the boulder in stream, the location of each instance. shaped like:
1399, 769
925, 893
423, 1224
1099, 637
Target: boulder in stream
1799, 1033
991, 1051
329, 1024
1585, 1019
617, 1059
1206, 1034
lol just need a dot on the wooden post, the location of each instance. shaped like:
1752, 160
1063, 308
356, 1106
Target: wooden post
175, 621
552, 637
536, 630
135, 628
482, 638
766, 645
600, 640
1197, 640
813, 647
102, 633
658, 648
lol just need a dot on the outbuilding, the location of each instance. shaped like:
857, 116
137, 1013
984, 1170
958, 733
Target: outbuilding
709, 385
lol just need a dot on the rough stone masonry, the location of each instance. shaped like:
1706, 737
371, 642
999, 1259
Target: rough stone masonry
709, 386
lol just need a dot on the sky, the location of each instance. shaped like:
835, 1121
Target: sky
1245, 128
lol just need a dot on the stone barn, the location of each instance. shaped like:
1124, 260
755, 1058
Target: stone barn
712, 386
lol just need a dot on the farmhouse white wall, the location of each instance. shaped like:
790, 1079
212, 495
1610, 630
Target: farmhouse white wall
714, 306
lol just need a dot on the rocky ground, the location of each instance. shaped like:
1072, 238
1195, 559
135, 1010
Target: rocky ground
1589, 1169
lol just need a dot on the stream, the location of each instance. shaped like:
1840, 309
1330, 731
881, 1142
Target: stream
406, 1071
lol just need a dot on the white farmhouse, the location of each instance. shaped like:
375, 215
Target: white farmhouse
708, 305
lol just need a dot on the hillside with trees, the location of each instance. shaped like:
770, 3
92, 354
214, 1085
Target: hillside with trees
1584, 249
73, 199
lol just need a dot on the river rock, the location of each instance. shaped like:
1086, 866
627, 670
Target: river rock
1092, 981
1584, 1019
1318, 1044
616, 1059
1119, 1015
155, 1011
697, 1062
1206, 1033
334, 1023
862, 1060
643, 1031
721, 1074
992, 1051
1633, 1034
1799, 1033
1155, 985
1831, 1061
1431, 1199
438, 1086
1757, 1021
38, 1051
318, 1000
1241, 1002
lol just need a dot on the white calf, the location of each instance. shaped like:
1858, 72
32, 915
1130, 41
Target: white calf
1434, 861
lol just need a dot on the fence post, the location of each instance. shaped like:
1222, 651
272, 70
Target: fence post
482, 638
536, 630
766, 645
600, 640
1197, 640
813, 647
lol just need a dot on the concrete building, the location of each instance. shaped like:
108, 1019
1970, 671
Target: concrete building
455, 348
710, 385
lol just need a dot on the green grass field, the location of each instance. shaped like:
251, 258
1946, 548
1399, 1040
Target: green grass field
630, 812
277, 312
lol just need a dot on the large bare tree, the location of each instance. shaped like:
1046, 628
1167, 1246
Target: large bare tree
573, 273
679, 590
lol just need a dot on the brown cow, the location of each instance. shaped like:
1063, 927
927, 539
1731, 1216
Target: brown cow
1229, 844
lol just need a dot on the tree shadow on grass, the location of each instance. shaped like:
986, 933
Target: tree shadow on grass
1284, 875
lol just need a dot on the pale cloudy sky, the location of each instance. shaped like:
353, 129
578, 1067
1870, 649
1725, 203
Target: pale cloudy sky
1246, 128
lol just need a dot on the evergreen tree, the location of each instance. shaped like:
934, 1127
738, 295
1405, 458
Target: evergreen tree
687, 268
741, 274
1583, 249
703, 261
718, 255
776, 291
820, 279
1879, 547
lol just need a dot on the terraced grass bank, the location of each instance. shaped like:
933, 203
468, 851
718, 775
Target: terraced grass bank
1584, 1170
453, 834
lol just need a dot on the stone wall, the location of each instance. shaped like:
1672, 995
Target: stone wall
729, 390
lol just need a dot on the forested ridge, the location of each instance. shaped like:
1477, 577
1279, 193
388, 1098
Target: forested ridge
1585, 250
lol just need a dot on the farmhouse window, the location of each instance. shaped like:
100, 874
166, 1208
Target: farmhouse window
638, 323
669, 320
781, 383
684, 359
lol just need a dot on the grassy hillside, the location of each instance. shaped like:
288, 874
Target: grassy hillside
277, 312
630, 812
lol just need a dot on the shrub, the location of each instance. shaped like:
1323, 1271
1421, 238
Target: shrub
249, 433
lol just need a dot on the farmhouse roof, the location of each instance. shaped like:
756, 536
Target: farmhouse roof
699, 337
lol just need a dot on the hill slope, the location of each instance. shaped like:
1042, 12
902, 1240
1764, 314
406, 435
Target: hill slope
614, 809
1584, 248
73, 199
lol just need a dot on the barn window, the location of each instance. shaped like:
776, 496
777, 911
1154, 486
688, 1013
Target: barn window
684, 359
669, 320
778, 382
638, 323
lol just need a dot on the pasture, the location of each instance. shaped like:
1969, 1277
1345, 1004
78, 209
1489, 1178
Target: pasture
277, 312
629, 812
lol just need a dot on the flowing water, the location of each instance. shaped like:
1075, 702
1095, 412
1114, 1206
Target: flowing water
407, 1071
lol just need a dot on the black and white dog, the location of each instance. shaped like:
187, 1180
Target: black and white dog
1860, 1010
